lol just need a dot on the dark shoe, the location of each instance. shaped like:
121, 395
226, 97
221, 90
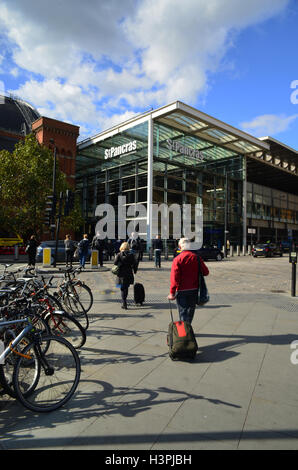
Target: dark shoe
124, 306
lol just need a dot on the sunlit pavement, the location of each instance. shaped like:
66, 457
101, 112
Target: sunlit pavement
239, 393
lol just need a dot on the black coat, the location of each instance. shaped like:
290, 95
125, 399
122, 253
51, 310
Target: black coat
157, 244
32, 247
128, 267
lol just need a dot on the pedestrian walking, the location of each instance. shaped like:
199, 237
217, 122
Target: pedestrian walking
98, 244
128, 266
31, 250
135, 245
70, 248
157, 247
185, 280
83, 247
110, 249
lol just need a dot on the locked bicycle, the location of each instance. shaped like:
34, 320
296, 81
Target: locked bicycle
46, 368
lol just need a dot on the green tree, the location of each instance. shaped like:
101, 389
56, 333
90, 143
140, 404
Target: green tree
25, 181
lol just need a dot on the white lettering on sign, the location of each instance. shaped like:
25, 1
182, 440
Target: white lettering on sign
121, 149
178, 147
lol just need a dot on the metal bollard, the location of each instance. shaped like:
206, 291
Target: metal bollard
231, 250
238, 250
94, 259
16, 252
46, 257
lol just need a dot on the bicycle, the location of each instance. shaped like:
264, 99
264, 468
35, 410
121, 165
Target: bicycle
49, 308
59, 322
83, 291
69, 297
46, 372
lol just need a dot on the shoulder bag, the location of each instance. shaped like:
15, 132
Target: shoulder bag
203, 294
116, 270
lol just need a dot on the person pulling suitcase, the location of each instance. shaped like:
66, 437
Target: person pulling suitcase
127, 265
185, 280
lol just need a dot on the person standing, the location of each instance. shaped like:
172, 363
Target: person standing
127, 268
185, 280
31, 250
110, 249
69, 250
83, 247
157, 247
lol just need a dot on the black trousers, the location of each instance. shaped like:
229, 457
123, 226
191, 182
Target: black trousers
69, 256
124, 292
31, 258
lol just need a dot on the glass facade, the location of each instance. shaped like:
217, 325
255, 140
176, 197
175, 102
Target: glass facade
186, 170
279, 209
178, 155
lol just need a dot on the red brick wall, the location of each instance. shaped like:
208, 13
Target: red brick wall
65, 137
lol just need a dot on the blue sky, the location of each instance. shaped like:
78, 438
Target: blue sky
98, 62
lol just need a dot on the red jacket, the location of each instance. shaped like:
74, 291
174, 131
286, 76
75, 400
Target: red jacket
184, 272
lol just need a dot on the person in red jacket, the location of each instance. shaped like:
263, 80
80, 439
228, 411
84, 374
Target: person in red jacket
185, 280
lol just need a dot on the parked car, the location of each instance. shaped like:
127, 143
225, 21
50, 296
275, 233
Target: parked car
267, 249
60, 250
210, 252
286, 246
206, 252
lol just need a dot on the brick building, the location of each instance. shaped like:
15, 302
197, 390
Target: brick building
18, 118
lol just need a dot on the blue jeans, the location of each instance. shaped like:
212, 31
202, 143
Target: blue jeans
157, 257
83, 257
186, 302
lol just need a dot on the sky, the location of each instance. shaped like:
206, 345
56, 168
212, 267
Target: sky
99, 62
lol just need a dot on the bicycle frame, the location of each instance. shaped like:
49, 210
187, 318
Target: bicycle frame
16, 341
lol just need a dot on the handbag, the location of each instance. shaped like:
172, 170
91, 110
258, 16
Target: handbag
115, 270
203, 294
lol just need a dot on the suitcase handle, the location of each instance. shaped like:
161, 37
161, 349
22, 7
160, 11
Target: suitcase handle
171, 310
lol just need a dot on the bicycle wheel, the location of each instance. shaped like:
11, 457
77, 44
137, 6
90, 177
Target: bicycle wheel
6, 369
30, 369
58, 379
75, 308
85, 295
63, 325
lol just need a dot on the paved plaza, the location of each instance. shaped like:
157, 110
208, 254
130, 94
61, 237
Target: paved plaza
239, 393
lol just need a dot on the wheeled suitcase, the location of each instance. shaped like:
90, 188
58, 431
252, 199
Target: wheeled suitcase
139, 293
181, 340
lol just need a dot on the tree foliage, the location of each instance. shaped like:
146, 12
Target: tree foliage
25, 180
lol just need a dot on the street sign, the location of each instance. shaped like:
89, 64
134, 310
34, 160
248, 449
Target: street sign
251, 230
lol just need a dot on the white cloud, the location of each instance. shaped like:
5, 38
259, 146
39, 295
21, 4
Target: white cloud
92, 56
268, 124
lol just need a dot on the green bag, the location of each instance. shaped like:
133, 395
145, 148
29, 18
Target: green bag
181, 340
